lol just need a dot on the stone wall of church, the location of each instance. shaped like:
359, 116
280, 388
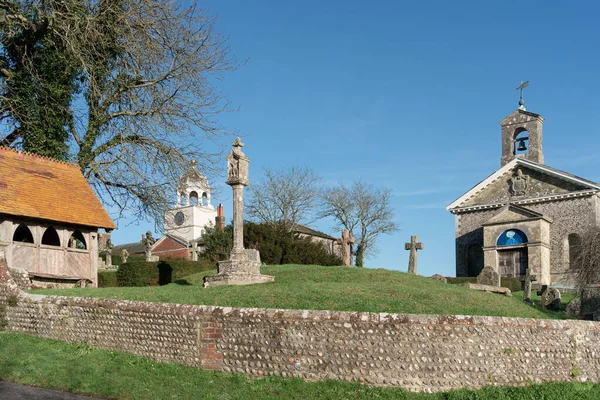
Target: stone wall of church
469, 235
570, 216
417, 352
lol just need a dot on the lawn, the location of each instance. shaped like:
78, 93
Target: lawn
330, 288
109, 374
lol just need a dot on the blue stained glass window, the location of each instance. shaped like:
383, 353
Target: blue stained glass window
512, 237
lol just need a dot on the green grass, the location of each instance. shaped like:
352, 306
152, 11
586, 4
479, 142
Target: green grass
82, 369
330, 288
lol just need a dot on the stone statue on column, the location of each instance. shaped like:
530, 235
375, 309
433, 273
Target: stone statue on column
243, 266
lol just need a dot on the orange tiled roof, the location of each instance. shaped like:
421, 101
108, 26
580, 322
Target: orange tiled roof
39, 187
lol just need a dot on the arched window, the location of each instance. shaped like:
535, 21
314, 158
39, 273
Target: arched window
193, 198
23, 234
475, 259
574, 247
77, 241
50, 237
521, 142
511, 237
204, 199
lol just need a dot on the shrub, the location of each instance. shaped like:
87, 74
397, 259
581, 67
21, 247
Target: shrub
138, 273
107, 278
276, 245
143, 273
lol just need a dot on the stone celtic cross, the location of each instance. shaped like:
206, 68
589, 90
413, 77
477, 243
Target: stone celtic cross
413, 246
346, 241
528, 278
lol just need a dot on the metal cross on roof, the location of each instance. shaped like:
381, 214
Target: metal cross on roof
522, 86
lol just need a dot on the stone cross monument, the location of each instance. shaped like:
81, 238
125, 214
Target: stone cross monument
413, 246
346, 241
528, 278
243, 266
194, 251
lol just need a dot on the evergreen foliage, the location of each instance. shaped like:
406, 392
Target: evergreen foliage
144, 273
276, 244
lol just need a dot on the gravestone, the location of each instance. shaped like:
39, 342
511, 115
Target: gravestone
345, 242
590, 301
413, 246
148, 241
194, 251
550, 298
489, 277
574, 308
528, 279
440, 278
124, 256
243, 266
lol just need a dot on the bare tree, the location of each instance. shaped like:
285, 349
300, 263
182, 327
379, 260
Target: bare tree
284, 197
144, 102
362, 209
586, 261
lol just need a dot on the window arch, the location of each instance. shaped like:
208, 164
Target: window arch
22, 234
204, 199
77, 241
574, 241
194, 198
475, 259
521, 142
512, 237
50, 237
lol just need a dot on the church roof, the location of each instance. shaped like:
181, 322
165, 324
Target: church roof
589, 185
42, 188
298, 228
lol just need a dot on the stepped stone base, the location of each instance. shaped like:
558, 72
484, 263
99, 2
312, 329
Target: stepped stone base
242, 269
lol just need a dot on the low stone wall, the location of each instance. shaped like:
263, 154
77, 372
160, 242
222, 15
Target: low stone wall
418, 352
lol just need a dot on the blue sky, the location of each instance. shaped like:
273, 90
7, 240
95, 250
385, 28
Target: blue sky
407, 96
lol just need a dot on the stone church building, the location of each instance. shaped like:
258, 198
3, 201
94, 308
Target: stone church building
49, 219
526, 214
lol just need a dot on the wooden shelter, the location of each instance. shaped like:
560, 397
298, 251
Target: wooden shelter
49, 219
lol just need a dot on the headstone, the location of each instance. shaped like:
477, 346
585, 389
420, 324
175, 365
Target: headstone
574, 308
243, 266
124, 256
440, 278
489, 277
550, 298
413, 246
148, 241
345, 242
194, 251
590, 301
528, 279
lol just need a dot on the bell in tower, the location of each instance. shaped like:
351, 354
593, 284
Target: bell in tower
522, 134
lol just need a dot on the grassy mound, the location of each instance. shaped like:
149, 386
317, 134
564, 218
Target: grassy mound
329, 288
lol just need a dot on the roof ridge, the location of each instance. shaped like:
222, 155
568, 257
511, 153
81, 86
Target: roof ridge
30, 154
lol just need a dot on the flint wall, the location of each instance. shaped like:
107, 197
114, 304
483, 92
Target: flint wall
418, 352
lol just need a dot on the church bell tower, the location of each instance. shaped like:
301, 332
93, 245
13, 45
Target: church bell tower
522, 134
193, 210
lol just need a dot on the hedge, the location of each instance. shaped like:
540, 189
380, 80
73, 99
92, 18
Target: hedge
107, 278
143, 273
514, 284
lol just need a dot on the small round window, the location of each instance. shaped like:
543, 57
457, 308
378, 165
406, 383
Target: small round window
512, 237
